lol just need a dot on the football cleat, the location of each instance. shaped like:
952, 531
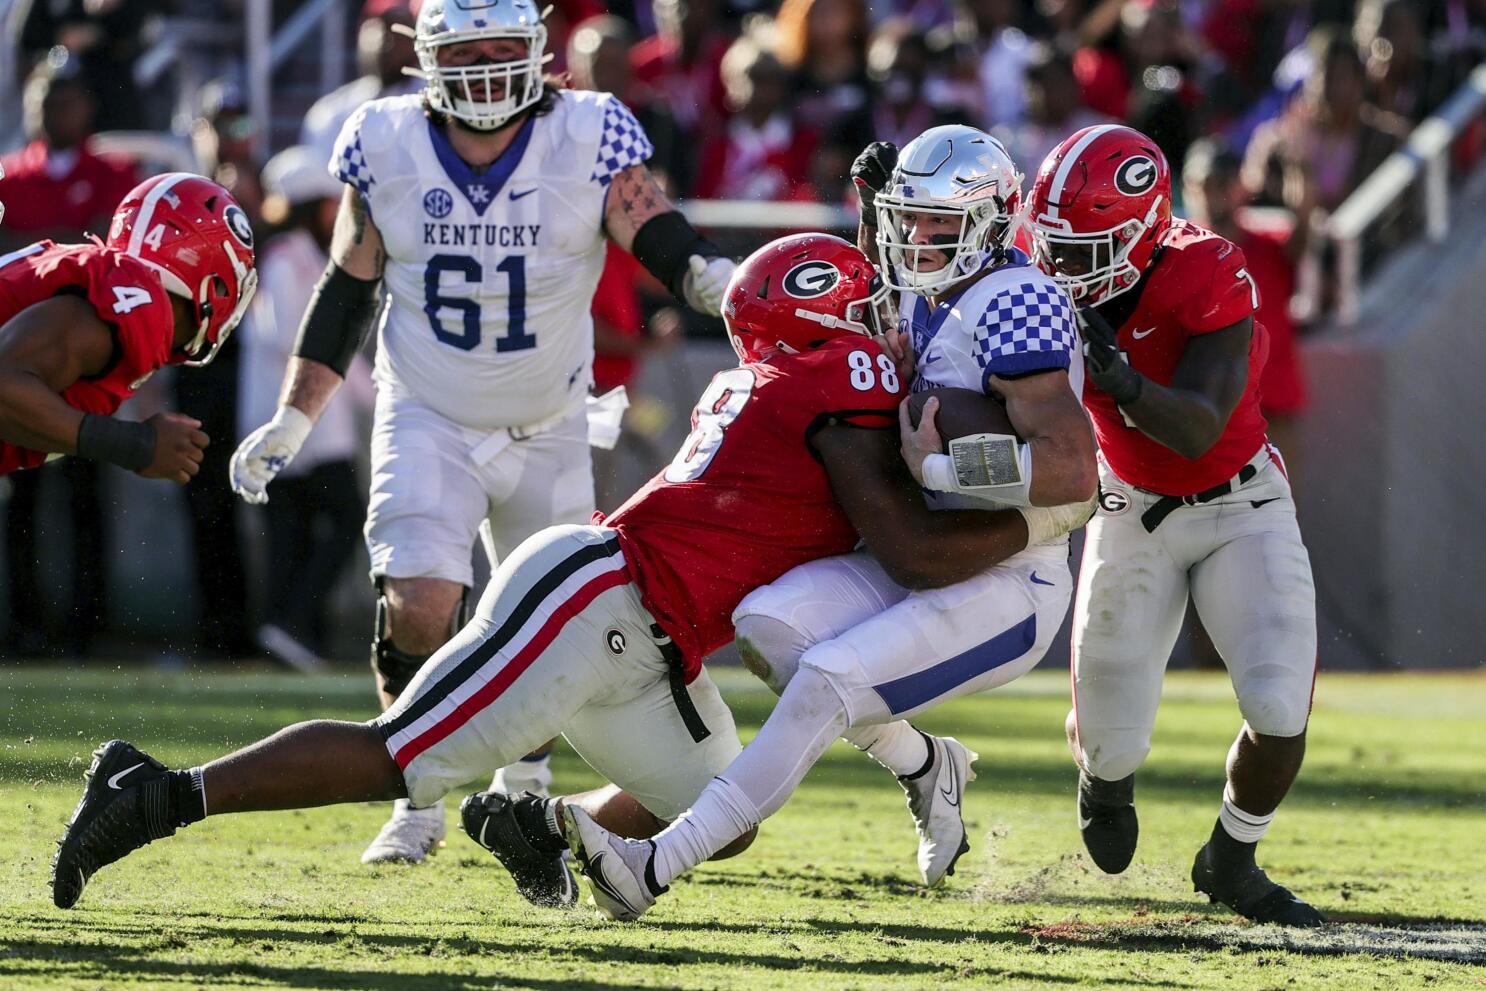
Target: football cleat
1247, 890
935, 798
1107, 822
124, 806
542, 879
409, 836
620, 872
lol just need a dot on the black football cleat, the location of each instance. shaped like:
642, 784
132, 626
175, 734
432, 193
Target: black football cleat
542, 878
1246, 889
1107, 822
124, 806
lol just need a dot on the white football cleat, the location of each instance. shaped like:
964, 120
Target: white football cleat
620, 872
409, 836
935, 798
523, 775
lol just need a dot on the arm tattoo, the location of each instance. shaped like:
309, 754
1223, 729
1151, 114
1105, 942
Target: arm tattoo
358, 219
638, 198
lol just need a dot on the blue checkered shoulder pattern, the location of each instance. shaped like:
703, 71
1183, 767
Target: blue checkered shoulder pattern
624, 143
1027, 327
350, 164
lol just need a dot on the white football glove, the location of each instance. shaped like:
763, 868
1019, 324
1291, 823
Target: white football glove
267, 451
707, 282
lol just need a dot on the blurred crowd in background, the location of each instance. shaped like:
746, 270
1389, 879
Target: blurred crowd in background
1271, 111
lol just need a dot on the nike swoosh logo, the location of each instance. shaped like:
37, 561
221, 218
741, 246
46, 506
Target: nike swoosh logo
525, 192
930, 359
113, 782
1038, 581
1256, 503
1084, 824
482, 840
596, 876
1142, 334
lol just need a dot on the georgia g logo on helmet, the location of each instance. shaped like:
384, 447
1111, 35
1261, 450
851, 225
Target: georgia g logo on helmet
1135, 175
810, 279
237, 223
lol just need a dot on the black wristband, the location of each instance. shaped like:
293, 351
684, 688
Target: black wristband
122, 442
665, 243
338, 318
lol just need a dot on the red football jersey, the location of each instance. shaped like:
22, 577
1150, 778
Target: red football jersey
746, 499
1198, 285
126, 294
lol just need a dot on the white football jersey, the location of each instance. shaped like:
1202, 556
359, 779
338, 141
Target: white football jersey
490, 276
1012, 322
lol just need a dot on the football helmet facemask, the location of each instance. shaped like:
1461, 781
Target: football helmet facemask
465, 92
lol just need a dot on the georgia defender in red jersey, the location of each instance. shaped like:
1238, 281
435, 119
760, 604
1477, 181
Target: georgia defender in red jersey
1193, 501
598, 632
83, 325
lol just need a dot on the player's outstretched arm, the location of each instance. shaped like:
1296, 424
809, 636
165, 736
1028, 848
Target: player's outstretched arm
1190, 414
1049, 418
918, 548
45, 349
641, 219
334, 327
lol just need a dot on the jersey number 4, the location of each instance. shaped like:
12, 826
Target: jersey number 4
467, 338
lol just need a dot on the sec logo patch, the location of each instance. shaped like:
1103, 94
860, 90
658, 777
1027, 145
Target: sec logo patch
437, 203
1113, 502
615, 640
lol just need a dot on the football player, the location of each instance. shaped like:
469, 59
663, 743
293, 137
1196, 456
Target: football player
858, 650
598, 632
1193, 502
82, 326
477, 210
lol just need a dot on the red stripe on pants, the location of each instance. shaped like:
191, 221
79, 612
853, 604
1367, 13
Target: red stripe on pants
524, 658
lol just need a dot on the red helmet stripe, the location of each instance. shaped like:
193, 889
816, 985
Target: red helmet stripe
147, 209
1070, 157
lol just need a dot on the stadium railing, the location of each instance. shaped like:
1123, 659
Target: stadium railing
1424, 159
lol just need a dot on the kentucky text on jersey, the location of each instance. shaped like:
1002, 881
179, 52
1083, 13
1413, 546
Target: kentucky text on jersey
494, 235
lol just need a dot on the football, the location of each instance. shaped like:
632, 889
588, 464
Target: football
962, 412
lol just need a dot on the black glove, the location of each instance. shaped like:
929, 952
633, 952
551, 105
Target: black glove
870, 173
1107, 368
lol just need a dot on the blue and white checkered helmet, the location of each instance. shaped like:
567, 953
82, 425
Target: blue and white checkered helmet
952, 170
448, 22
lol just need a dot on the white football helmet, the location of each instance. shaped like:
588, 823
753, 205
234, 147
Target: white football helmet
447, 22
953, 170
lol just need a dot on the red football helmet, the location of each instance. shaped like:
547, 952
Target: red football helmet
1101, 201
193, 233
800, 291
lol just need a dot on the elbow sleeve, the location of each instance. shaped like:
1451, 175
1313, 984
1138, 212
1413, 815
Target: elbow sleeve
664, 244
339, 316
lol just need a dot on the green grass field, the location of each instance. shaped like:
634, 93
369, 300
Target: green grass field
1386, 832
